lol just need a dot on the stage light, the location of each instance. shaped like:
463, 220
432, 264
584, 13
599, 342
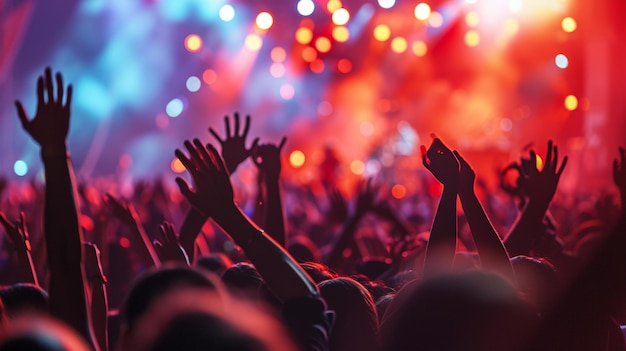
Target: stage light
386, 4
422, 11
333, 5
515, 5
569, 24
419, 48
309, 54
297, 158
398, 191
341, 34
344, 65
435, 19
174, 108
304, 35
193, 84
399, 45
253, 42
20, 168
323, 44
264, 21
341, 16
209, 76
571, 102
277, 70
471, 19
278, 54
382, 32
472, 38
511, 26
287, 91
227, 13
193, 43
317, 66
357, 167
561, 61
177, 166
306, 7
124, 243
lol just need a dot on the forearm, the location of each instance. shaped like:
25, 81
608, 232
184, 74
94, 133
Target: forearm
493, 254
442, 242
27, 268
274, 218
99, 310
524, 230
281, 273
63, 242
189, 231
140, 240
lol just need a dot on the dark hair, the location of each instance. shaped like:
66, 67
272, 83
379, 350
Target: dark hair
156, 283
318, 272
19, 297
356, 321
216, 263
465, 311
242, 277
198, 331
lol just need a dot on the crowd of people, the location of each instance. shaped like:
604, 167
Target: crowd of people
198, 268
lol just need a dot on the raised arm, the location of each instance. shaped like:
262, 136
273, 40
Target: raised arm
126, 213
540, 188
168, 248
98, 295
493, 254
441, 249
213, 196
267, 159
619, 176
62, 231
18, 235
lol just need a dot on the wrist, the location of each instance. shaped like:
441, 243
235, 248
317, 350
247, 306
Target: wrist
54, 151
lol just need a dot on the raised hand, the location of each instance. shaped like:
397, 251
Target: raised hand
467, 176
93, 265
234, 149
541, 184
16, 233
168, 248
51, 123
440, 161
619, 175
366, 197
121, 210
338, 210
267, 158
213, 192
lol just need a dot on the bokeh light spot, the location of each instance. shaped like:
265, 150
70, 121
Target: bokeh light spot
304, 35
177, 166
323, 44
472, 38
253, 42
398, 191
309, 54
227, 13
317, 66
422, 11
571, 102
278, 54
561, 61
341, 34
174, 108
419, 48
357, 167
569, 24
20, 168
399, 45
341, 16
471, 19
277, 70
435, 19
264, 20
297, 158
382, 32
287, 91
209, 76
386, 4
305, 7
333, 5
193, 84
193, 43
344, 65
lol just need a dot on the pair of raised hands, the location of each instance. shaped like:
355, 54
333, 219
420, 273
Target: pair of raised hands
451, 169
234, 151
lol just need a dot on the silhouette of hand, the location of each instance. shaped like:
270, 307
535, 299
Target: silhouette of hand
619, 174
17, 233
267, 158
122, 210
541, 184
338, 211
467, 176
168, 248
51, 123
366, 197
440, 161
234, 149
213, 192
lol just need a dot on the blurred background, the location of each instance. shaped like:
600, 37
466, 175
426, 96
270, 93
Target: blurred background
356, 85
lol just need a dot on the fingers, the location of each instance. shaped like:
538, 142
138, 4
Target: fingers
40, 99
21, 113
246, 127
282, 143
49, 85
5, 223
548, 160
216, 136
70, 90
562, 166
203, 153
425, 159
184, 188
460, 158
236, 124
219, 161
228, 135
253, 147
59, 88
533, 162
